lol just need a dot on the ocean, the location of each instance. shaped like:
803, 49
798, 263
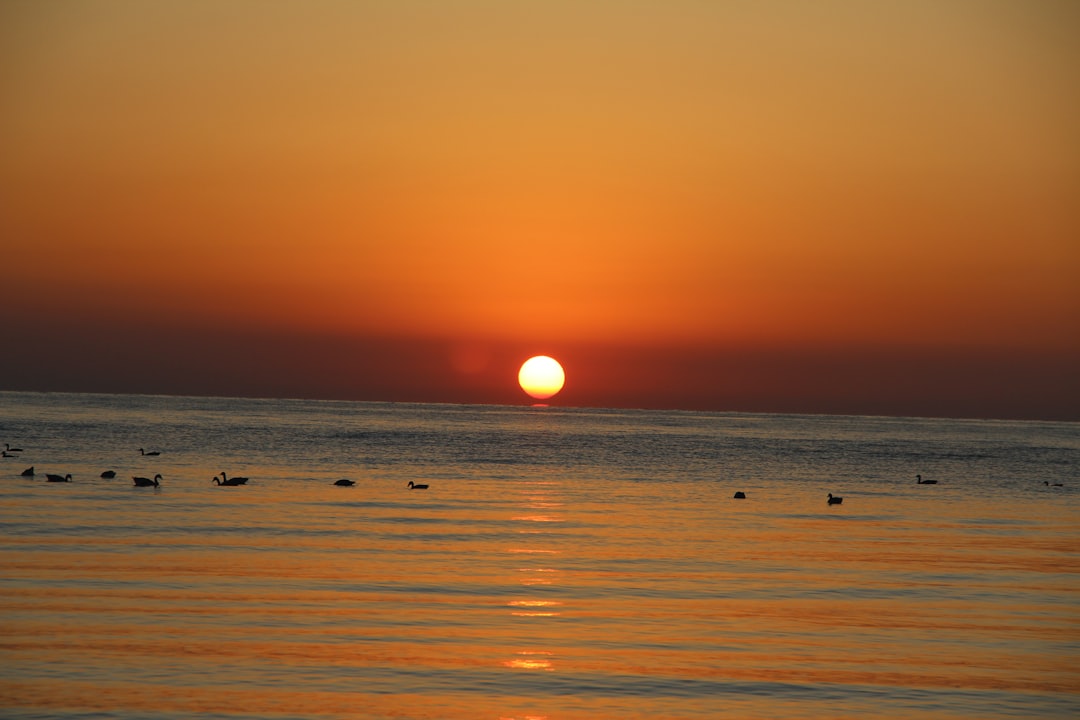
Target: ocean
562, 564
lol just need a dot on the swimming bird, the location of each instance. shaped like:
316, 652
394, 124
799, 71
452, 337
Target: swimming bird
740, 495
149, 454
58, 478
920, 481
833, 500
8, 448
230, 482
108, 474
28, 472
344, 483
5, 453
414, 486
1050, 484
147, 482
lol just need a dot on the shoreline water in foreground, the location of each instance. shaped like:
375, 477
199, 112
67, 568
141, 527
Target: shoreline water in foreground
564, 563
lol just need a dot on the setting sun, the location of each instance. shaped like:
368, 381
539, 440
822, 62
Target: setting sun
541, 377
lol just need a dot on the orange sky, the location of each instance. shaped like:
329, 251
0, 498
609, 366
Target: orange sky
666, 192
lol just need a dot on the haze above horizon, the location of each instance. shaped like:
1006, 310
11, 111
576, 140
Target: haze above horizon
784, 207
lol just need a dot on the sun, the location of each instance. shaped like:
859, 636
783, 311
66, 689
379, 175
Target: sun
541, 377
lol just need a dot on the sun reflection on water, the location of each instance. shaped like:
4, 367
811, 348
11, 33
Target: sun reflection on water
531, 660
538, 529
530, 604
541, 580
533, 551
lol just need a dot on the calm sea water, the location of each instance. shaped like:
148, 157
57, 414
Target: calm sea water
563, 563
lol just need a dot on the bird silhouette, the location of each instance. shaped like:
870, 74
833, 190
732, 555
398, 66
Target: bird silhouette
28, 472
740, 495
148, 454
920, 481
58, 478
414, 486
230, 482
108, 474
147, 482
8, 448
344, 483
834, 500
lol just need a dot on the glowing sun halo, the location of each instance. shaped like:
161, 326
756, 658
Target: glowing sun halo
541, 377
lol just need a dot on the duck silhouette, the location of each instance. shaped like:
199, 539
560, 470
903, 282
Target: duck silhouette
108, 474
414, 486
148, 454
147, 482
920, 481
834, 500
58, 478
740, 495
344, 483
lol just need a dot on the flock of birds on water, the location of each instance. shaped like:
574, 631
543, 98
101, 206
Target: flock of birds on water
221, 481
225, 481
837, 500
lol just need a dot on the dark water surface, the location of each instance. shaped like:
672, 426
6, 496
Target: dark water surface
563, 564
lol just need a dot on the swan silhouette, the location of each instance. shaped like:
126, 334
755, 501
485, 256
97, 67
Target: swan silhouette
28, 472
344, 483
834, 500
920, 481
148, 454
108, 474
414, 486
5, 453
8, 448
147, 482
740, 495
230, 482
1050, 484
58, 478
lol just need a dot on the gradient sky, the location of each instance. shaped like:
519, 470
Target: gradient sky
837, 206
